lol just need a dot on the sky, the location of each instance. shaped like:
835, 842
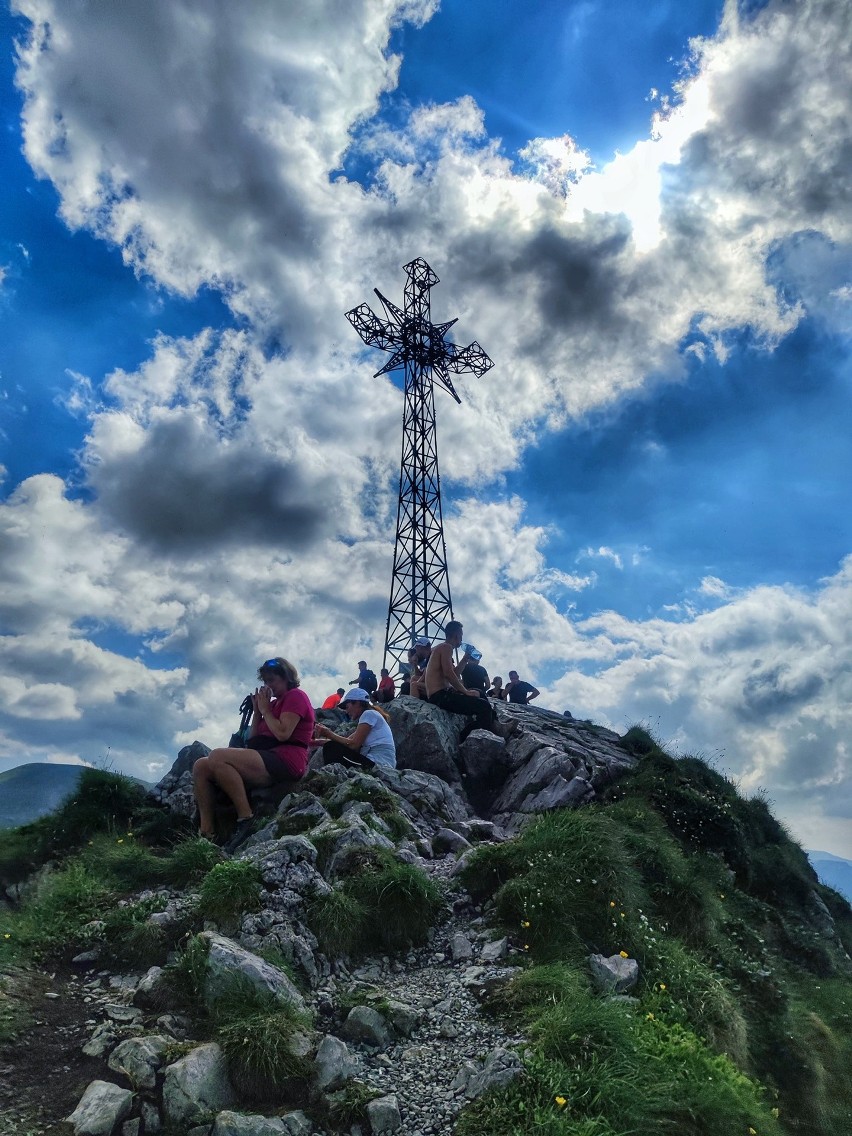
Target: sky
642, 213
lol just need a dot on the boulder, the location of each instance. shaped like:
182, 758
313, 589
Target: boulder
229, 1123
402, 1017
333, 1064
500, 1068
426, 738
102, 1106
461, 947
175, 789
367, 1026
227, 960
493, 952
196, 1087
613, 975
139, 1058
436, 803
343, 837
448, 840
384, 1115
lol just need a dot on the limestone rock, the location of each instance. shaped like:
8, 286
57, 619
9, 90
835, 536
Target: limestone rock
500, 1068
102, 1106
613, 975
333, 1064
461, 947
175, 789
437, 803
132, 1127
366, 1025
229, 1123
493, 952
426, 738
448, 840
345, 836
227, 960
197, 1086
151, 988
384, 1114
139, 1058
402, 1017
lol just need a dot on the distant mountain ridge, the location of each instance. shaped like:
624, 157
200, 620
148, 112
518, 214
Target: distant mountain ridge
833, 871
28, 792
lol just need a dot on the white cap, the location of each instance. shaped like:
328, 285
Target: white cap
422, 641
355, 695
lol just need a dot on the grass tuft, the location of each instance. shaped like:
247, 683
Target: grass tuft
230, 889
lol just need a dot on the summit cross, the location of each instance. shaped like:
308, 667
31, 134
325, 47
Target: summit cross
420, 599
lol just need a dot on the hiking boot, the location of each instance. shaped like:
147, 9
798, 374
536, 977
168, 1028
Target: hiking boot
242, 832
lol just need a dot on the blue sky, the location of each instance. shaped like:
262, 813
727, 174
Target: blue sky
641, 212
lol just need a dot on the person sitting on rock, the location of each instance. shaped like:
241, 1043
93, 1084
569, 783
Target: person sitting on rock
445, 689
520, 692
333, 700
387, 687
282, 726
371, 743
497, 690
418, 659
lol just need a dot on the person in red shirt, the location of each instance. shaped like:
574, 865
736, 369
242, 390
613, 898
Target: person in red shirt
333, 700
282, 728
387, 688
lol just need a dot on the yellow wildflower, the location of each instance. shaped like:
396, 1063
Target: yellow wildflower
662, 985
612, 903
561, 1101
120, 840
752, 1132
624, 954
7, 936
525, 922
650, 1018
526, 946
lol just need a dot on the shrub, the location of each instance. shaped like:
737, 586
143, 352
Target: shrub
640, 742
386, 905
189, 860
230, 889
259, 1035
564, 886
337, 920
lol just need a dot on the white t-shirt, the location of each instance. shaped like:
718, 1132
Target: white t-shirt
379, 744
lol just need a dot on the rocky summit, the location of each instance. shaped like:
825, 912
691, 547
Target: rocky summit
458, 945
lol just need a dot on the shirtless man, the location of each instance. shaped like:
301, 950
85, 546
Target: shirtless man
446, 690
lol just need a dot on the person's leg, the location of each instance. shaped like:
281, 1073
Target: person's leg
202, 786
468, 704
336, 751
232, 770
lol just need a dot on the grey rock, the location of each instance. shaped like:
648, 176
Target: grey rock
104, 1037
384, 1115
501, 1067
131, 1127
139, 1058
613, 975
402, 1017
435, 802
200, 1130
296, 1123
345, 836
229, 1123
545, 764
197, 1087
467, 1069
447, 840
493, 952
366, 1025
227, 960
151, 989
150, 1117
461, 947
426, 738
333, 1064
559, 794
102, 1106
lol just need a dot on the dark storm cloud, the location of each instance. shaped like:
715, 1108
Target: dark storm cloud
184, 490
774, 691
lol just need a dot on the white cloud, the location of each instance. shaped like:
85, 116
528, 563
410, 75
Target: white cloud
238, 501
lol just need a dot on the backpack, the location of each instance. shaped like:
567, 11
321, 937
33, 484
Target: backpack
370, 682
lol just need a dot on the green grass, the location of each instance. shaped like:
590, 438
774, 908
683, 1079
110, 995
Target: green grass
230, 889
384, 906
603, 1069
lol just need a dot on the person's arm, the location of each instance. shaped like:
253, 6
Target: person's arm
450, 673
282, 727
465, 659
532, 694
354, 740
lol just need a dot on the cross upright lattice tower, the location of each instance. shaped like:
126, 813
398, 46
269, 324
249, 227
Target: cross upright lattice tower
420, 600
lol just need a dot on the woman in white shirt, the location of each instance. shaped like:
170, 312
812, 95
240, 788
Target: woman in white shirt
371, 742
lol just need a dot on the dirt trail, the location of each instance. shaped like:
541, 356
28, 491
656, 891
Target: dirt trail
43, 1070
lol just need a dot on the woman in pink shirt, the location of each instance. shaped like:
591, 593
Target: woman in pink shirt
282, 727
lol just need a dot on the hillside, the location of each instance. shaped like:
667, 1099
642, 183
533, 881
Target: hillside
612, 942
31, 791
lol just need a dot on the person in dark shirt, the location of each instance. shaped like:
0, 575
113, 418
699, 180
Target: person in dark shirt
475, 677
518, 691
